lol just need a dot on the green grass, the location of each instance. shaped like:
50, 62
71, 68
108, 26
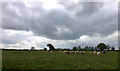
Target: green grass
56, 60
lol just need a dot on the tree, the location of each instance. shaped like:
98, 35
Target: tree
32, 48
51, 47
108, 47
74, 48
95, 48
79, 47
45, 49
113, 48
86, 47
119, 48
101, 46
92, 48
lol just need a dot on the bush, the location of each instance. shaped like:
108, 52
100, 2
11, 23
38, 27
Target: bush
45, 49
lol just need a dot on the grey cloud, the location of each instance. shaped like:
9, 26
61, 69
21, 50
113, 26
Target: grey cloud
89, 8
11, 18
58, 24
46, 25
17, 37
83, 8
17, 16
119, 17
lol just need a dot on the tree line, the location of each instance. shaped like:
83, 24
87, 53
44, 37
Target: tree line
100, 46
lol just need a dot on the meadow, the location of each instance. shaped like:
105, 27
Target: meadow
57, 60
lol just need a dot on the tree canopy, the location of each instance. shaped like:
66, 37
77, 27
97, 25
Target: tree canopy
45, 49
51, 47
101, 46
113, 48
74, 48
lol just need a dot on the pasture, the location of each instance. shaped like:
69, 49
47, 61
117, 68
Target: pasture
57, 60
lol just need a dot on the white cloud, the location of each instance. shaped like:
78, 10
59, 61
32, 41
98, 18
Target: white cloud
41, 42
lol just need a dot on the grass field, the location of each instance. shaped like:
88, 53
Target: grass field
56, 60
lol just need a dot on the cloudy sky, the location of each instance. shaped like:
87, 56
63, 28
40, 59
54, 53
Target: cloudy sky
63, 24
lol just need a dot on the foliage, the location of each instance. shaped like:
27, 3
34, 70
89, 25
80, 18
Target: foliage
74, 48
113, 48
95, 48
79, 47
92, 48
32, 48
108, 47
45, 49
101, 46
51, 47
86, 48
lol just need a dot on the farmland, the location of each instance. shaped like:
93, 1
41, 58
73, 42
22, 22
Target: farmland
57, 60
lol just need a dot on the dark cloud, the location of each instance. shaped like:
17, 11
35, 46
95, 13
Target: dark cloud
89, 8
88, 19
83, 8
11, 17
47, 24
119, 24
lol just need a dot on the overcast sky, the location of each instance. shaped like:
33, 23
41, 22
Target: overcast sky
63, 24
